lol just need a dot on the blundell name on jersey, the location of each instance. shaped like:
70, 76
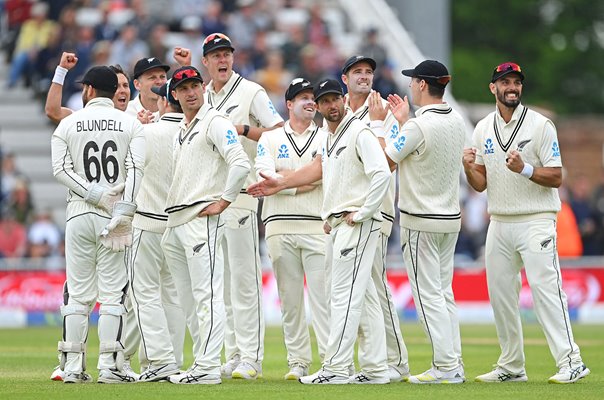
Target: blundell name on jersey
95, 125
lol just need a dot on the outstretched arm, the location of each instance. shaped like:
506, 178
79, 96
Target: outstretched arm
306, 175
53, 108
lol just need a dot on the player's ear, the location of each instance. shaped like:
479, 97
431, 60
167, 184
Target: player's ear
345, 79
492, 88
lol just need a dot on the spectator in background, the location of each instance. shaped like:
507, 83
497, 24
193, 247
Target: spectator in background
20, 203
13, 237
191, 38
44, 66
44, 236
34, 36
292, 49
580, 202
274, 78
568, 236
383, 81
213, 20
157, 42
17, 12
10, 175
372, 48
243, 25
128, 48
68, 27
597, 204
316, 27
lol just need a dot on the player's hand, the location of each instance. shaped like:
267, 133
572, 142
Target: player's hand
377, 111
399, 107
514, 162
117, 235
469, 158
214, 208
267, 187
326, 228
145, 116
348, 218
182, 56
68, 60
103, 197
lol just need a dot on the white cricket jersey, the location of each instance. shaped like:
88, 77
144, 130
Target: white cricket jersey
135, 106
244, 102
151, 199
285, 149
428, 150
209, 164
355, 172
512, 197
97, 144
391, 128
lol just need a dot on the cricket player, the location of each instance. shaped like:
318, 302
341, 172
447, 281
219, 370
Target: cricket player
148, 72
56, 113
209, 169
516, 157
98, 154
249, 108
154, 299
294, 229
427, 150
357, 75
355, 180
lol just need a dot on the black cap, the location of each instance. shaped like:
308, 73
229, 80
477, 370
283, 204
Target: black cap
327, 86
296, 86
433, 72
101, 78
145, 64
506, 68
357, 59
164, 91
183, 74
216, 41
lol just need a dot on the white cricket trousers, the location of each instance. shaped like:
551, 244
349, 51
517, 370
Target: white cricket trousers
429, 260
155, 301
509, 246
398, 356
194, 258
293, 258
349, 256
93, 274
244, 335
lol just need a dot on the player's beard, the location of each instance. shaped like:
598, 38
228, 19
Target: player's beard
84, 98
336, 117
509, 103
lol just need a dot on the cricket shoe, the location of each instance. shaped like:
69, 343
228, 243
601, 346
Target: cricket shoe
363, 379
398, 374
324, 377
501, 375
114, 376
296, 371
226, 370
127, 369
157, 373
195, 376
57, 374
74, 377
246, 370
435, 376
570, 374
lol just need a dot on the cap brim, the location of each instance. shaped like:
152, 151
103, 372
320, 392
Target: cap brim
162, 66
368, 60
504, 73
158, 90
193, 78
293, 96
220, 46
408, 72
334, 91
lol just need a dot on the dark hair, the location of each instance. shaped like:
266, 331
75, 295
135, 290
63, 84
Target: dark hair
176, 107
433, 91
105, 93
117, 69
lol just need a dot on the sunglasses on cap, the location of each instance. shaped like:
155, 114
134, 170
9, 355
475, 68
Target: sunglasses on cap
508, 66
214, 36
186, 74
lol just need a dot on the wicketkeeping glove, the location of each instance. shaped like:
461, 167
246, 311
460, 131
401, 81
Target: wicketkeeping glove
103, 197
118, 232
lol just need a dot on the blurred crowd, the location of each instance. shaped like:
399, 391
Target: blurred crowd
275, 41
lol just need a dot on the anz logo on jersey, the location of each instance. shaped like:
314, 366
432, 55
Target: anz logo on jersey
400, 143
555, 150
231, 138
488, 147
261, 151
394, 131
283, 152
272, 107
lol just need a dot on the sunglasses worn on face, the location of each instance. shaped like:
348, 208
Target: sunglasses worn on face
215, 36
508, 66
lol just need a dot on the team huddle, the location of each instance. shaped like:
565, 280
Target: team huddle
162, 227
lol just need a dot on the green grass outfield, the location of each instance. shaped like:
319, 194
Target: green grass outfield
27, 357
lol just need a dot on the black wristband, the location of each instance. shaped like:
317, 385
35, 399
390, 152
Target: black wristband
246, 130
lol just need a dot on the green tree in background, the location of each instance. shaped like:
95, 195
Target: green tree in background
558, 43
